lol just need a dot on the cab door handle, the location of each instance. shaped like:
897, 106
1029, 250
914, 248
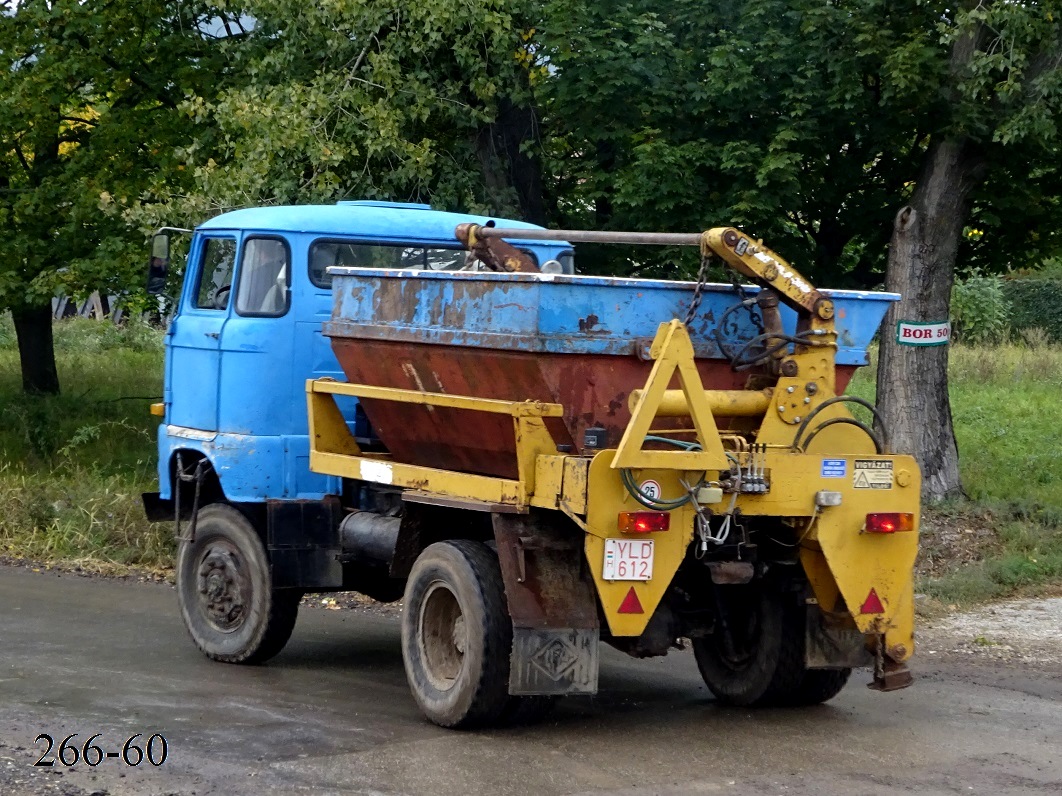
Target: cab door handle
215, 335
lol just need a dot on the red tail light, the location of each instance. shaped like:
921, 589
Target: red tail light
643, 521
889, 523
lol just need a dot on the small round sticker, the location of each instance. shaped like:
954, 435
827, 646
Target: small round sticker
651, 489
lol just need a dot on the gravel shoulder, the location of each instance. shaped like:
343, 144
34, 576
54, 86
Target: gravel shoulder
1026, 631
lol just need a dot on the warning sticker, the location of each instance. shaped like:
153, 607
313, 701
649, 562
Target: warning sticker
872, 474
834, 468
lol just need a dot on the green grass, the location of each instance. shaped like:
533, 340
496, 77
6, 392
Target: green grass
72, 466
1007, 408
1031, 556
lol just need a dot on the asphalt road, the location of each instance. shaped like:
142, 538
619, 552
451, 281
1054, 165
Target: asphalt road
332, 715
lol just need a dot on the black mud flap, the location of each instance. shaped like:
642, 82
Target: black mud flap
303, 541
830, 644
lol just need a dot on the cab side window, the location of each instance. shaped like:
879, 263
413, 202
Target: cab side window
327, 253
265, 266
215, 274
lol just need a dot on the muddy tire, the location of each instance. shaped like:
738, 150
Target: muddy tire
225, 591
761, 661
457, 635
817, 686
759, 657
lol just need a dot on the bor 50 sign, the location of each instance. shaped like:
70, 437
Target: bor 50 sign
918, 333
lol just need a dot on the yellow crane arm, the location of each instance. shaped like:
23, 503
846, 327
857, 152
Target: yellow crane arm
752, 259
747, 256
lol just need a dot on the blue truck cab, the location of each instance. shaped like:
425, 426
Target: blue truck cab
247, 335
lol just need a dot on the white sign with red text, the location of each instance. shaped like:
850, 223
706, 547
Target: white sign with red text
919, 333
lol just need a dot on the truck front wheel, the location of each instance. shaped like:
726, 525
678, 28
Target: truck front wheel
457, 635
225, 591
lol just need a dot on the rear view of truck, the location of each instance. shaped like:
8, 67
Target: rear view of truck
556, 461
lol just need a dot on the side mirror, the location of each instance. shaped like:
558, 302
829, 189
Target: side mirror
159, 267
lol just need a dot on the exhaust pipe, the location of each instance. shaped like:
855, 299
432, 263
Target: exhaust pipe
369, 538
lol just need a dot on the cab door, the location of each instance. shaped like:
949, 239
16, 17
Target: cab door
194, 336
256, 345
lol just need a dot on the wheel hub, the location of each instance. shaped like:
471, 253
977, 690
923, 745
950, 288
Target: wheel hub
222, 588
443, 636
458, 635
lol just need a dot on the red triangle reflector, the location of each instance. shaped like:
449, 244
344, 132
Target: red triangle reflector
631, 604
872, 605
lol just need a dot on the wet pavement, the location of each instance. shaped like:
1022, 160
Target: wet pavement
332, 715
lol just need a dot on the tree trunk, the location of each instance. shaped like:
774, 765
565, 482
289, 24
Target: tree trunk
510, 174
913, 380
36, 349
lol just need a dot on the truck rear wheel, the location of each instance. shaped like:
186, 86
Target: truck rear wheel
756, 654
818, 686
758, 657
457, 635
225, 592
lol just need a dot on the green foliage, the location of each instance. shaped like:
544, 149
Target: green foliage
1036, 304
72, 467
804, 121
88, 119
980, 310
768, 114
358, 99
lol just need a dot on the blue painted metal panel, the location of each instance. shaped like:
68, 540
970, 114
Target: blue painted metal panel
563, 314
193, 358
251, 468
239, 398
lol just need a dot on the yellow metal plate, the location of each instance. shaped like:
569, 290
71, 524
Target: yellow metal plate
607, 498
859, 561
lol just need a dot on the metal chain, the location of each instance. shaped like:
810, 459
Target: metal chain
879, 659
702, 280
754, 316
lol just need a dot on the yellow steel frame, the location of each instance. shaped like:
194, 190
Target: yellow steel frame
333, 449
841, 563
673, 353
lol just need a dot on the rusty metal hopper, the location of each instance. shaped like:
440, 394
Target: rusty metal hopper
578, 341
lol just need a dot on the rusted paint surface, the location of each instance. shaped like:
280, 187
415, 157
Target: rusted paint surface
495, 253
541, 563
560, 313
592, 388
